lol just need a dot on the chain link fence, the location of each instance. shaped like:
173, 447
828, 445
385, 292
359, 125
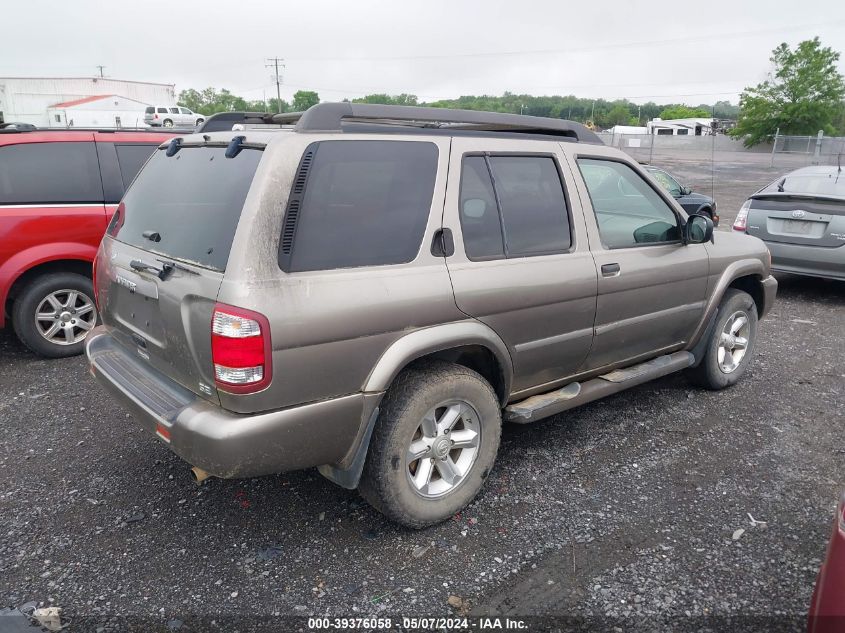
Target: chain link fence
784, 151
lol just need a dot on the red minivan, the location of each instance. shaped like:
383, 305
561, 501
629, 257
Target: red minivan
58, 190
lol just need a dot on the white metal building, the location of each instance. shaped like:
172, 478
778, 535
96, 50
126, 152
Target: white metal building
28, 99
103, 111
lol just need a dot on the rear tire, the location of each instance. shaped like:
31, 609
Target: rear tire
731, 344
200, 122
75, 314
415, 415
167, 123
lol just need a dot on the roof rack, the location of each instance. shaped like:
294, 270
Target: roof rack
332, 117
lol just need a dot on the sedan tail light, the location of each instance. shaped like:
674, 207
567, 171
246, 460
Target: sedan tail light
240, 349
741, 222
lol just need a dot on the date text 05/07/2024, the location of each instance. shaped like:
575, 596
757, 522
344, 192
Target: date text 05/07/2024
419, 623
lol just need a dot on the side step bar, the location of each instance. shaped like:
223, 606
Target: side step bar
577, 393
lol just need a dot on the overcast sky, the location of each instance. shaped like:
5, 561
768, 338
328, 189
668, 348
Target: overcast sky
664, 51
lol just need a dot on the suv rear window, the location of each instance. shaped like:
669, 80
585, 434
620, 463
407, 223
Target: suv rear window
150, 110
193, 200
366, 203
50, 173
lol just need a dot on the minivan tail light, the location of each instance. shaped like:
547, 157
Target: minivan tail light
741, 222
240, 349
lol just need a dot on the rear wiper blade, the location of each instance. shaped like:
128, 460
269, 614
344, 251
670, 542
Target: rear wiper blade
137, 264
169, 266
781, 183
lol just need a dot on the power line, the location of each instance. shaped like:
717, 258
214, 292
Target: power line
710, 37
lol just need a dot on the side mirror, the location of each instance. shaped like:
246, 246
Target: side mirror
698, 229
685, 191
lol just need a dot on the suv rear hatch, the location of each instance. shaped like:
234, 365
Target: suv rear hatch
164, 255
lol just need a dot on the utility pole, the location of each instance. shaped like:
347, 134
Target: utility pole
593, 113
101, 70
275, 62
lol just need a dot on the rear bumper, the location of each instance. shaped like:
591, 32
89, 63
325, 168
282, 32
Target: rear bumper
816, 261
223, 443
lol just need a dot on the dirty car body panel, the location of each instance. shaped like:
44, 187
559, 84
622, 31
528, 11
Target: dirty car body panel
345, 307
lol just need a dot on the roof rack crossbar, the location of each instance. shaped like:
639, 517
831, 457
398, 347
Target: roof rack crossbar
329, 117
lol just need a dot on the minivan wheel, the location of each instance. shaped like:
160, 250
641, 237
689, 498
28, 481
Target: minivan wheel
731, 344
433, 445
200, 122
54, 313
167, 123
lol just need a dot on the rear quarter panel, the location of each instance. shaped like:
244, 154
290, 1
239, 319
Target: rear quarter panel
329, 328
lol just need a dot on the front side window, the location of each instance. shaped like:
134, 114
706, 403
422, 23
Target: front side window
364, 203
185, 111
50, 173
628, 211
512, 206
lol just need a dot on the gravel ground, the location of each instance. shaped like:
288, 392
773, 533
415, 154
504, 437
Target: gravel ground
624, 509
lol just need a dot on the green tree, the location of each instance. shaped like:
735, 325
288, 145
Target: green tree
803, 95
304, 99
618, 115
403, 99
684, 112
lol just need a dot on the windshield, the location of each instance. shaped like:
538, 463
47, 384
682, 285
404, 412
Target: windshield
191, 200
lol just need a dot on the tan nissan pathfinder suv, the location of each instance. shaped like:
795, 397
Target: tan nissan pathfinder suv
373, 289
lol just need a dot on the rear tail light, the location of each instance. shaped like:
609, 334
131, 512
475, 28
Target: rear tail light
240, 349
116, 222
740, 224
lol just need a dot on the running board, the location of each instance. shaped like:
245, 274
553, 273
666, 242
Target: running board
578, 393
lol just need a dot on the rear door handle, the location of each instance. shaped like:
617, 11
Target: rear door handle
610, 270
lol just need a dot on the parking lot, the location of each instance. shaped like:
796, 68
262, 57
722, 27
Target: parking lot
660, 504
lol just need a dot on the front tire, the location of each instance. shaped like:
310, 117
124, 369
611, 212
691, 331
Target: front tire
54, 313
731, 344
434, 443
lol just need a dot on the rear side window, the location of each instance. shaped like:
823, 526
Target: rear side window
45, 173
162, 110
520, 212
131, 158
174, 110
364, 203
193, 200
